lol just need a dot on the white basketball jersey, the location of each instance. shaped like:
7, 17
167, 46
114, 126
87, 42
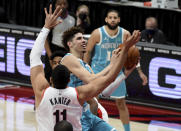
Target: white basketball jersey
57, 105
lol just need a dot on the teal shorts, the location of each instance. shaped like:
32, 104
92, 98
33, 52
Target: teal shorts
120, 92
91, 122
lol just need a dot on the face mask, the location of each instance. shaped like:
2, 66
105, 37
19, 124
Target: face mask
151, 31
82, 16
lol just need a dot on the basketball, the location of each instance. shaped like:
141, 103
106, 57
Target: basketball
132, 58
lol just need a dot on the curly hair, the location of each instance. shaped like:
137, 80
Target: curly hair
69, 35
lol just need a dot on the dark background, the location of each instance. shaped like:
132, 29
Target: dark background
31, 13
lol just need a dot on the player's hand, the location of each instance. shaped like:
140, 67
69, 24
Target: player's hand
133, 39
143, 77
51, 18
115, 55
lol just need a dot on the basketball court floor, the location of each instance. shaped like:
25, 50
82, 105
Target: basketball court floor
17, 113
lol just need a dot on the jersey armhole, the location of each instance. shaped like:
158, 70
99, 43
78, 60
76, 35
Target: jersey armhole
41, 97
100, 32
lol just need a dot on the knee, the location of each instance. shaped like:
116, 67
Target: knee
121, 104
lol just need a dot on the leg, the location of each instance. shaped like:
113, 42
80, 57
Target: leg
91, 122
101, 125
86, 120
123, 113
119, 94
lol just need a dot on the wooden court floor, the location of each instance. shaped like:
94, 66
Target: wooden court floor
17, 113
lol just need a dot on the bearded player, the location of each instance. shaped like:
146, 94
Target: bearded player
100, 46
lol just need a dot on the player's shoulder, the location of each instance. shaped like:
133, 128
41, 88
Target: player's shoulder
68, 58
95, 32
95, 36
126, 32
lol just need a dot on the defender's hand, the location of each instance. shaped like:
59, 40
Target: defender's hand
51, 19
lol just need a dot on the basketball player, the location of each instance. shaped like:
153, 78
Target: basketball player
100, 45
60, 102
101, 112
82, 73
55, 60
56, 57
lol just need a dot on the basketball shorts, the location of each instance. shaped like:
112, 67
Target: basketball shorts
91, 122
120, 92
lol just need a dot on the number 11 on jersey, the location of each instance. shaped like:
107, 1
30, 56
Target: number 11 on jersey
57, 114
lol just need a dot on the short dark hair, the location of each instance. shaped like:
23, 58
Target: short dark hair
69, 35
112, 10
60, 53
63, 126
60, 77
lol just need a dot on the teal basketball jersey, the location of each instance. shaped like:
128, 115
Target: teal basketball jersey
102, 53
74, 80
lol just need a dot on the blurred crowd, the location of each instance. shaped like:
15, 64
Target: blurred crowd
81, 17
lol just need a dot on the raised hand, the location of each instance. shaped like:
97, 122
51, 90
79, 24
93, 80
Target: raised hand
133, 39
51, 19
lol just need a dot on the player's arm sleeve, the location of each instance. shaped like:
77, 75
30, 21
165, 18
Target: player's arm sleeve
113, 86
38, 47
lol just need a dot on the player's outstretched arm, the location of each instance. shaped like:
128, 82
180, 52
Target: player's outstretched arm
37, 72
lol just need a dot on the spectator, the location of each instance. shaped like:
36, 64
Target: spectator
83, 19
55, 39
151, 33
63, 126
